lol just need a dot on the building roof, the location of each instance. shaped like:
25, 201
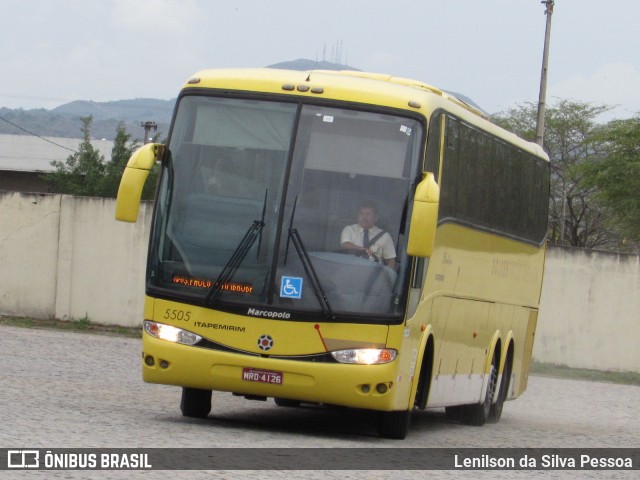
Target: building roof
27, 153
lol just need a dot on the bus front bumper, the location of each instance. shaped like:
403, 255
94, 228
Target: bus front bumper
359, 386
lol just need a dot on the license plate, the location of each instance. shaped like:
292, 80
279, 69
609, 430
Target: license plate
262, 376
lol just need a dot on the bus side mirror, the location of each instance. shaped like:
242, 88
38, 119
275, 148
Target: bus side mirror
424, 217
133, 178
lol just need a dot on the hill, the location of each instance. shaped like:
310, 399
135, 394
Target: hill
303, 64
137, 110
64, 121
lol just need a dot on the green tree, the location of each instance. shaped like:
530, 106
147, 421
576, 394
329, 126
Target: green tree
122, 150
82, 172
120, 153
616, 175
85, 172
572, 139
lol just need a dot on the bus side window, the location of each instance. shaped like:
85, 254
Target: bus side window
449, 181
432, 163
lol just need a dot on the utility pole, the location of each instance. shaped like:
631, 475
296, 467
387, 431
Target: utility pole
543, 78
147, 129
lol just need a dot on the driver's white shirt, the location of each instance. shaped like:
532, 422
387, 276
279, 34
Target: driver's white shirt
382, 248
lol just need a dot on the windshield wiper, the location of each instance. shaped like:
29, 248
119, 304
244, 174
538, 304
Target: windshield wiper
308, 266
311, 273
254, 232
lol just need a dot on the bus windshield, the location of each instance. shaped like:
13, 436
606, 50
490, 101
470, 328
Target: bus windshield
282, 210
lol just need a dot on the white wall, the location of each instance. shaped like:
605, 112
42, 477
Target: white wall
590, 310
67, 257
29, 227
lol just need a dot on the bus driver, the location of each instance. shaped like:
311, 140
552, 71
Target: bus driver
366, 238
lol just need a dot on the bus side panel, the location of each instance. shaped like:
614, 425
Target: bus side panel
406, 340
437, 321
459, 363
527, 320
485, 290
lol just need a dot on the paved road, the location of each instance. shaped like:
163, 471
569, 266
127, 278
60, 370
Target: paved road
63, 389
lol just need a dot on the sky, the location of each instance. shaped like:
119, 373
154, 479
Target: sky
54, 52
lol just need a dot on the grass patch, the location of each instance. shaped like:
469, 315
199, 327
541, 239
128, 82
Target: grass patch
77, 325
82, 323
561, 371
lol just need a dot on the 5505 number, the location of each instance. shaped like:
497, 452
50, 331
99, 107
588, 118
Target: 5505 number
175, 314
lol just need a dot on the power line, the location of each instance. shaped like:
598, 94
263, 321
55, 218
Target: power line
36, 135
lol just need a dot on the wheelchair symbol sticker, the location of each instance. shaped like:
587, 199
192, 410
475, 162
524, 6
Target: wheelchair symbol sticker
291, 287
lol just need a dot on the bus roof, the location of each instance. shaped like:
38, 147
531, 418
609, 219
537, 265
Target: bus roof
356, 87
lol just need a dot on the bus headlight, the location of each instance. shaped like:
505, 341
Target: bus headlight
365, 356
170, 334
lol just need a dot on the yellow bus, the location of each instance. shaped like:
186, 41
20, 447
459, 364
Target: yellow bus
260, 283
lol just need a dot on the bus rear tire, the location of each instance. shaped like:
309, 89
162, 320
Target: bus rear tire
496, 409
195, 403
394, 424
478, 415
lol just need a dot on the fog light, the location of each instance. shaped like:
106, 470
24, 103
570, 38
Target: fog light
164, 364
366, 388
381, 388
149, 361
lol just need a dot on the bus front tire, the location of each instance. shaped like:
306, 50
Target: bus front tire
455, 412
195, 403
285, 402
394, 424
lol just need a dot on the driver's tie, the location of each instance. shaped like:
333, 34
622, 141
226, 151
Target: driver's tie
365, 239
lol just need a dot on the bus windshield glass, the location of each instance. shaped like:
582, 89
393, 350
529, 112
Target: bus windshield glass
274, 207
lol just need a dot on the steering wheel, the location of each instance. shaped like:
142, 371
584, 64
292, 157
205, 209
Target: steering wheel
356, 252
